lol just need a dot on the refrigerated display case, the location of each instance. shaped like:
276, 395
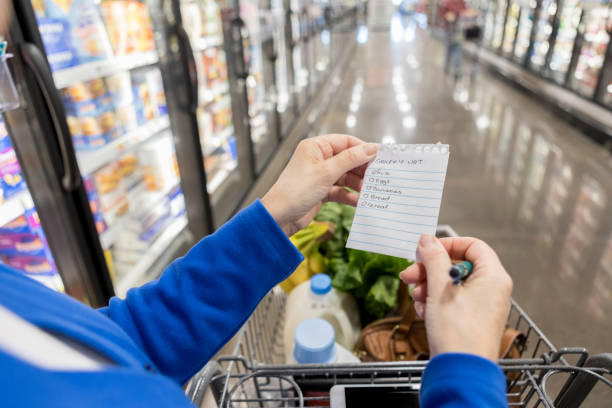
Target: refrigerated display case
523, 30
23, 244
489, 22
285, 97
108, 105
593, 41
498, 28
512, 22
258, 46
544, 29
561, 57
295, 40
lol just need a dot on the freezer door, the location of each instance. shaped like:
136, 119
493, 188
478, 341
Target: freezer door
259, 54
110, 102
48, 230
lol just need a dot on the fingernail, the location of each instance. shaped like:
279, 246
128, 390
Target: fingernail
427, 240
370, 149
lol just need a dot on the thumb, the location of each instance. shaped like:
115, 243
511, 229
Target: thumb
436, 261
349, 159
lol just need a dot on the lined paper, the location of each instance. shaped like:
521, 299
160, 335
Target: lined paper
400, 199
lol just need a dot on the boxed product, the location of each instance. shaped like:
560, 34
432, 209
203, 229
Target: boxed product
157, 91
56, 36
11, 180
129, 26
119, 87
90, 114
192, 19
5, 141
144, 101
88, 39
158, 164
211, 16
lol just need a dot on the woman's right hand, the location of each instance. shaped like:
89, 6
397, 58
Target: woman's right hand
466, 318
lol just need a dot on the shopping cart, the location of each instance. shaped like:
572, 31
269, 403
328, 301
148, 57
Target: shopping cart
254, 374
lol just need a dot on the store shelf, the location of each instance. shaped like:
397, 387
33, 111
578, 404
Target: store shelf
215, 141
208, 42
149, 258
97, 69
220, 177
213, 93
92, 160
13, 207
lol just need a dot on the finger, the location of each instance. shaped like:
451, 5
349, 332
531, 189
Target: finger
349, 159
336, 143
360, 171
419, 307
342, 195
473, 250
437, 263
420, 292
350, 180
415, 273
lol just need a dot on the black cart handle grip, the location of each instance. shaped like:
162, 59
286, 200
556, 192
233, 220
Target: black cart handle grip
35, 61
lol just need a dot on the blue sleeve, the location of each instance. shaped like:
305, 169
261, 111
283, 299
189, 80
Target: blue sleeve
462, 380
183, 318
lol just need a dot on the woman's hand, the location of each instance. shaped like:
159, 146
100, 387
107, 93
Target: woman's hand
318, 171
465, 318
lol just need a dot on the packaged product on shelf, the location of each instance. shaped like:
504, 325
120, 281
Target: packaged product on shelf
211, 16
56, 37
222, 115
23, 244
113, 183
159, 164
94, 204
129, 26
11, 180
144, 101
5, 140
90, 114
156, 88
192, 19
120, 88
88, 36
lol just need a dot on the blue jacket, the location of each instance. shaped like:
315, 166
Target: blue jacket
166, 330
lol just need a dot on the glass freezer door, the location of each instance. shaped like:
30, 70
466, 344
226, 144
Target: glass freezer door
564, 43
498, 30
544, 29
595, 37
523, 33
260, 80
512, 21
23, 243
105, 64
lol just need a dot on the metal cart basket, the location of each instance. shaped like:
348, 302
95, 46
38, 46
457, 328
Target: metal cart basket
254, 374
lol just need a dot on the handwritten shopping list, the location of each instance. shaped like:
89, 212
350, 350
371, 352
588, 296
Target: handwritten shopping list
400, 199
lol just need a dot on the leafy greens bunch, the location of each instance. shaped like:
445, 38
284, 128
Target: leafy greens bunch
371, 278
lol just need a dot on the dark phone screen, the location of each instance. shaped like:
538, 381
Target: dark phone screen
358, 397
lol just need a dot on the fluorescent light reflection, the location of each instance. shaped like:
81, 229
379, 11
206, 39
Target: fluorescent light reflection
409, 122
351, 120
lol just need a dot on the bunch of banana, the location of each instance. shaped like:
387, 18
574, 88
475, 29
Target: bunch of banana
307, 242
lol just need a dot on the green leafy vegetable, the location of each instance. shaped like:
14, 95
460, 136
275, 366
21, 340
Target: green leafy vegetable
382, 296
371, 278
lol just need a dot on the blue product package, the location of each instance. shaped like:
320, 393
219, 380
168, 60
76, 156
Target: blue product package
5, 141
87, 33
55, 33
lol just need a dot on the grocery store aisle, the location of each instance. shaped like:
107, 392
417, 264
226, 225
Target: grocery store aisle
520, 178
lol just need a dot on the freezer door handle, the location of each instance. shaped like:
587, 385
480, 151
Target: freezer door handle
34, 59
239, 33
189, 66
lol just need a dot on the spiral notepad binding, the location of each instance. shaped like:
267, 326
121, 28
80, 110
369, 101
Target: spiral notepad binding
417, 148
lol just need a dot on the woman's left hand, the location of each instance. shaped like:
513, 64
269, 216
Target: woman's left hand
319, 170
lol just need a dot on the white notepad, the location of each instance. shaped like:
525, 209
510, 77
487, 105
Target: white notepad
400, 199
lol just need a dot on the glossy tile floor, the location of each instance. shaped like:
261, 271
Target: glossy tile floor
536, 189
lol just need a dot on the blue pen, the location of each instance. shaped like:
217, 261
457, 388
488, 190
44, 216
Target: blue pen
460, 271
